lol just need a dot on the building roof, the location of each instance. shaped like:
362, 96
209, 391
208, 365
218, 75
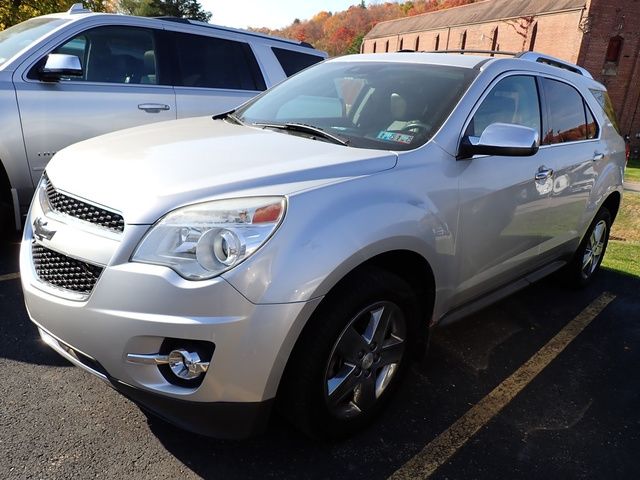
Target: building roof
486, 11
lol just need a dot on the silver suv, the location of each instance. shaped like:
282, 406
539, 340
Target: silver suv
298, 251
76, 75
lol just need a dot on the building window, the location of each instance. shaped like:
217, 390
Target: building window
463, 40
494, 40
614, 49
401, 43
386, 46
374, 47
418, 43
436, 43
534, 34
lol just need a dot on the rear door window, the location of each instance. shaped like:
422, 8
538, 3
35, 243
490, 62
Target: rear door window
293, 61
567, 114
210, 62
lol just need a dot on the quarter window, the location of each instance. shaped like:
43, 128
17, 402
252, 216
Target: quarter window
592, 125
210, 62
513, 100
567, 118
604, 101
292, 61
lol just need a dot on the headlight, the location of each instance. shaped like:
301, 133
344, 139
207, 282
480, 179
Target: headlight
207, 239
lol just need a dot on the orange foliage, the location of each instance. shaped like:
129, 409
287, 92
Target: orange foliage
341, 32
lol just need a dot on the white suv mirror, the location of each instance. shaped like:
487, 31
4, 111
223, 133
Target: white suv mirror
60, 65
501, 139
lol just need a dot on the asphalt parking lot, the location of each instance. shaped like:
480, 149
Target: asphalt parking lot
578, 418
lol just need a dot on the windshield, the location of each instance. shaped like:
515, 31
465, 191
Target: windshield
20, 36
380, 105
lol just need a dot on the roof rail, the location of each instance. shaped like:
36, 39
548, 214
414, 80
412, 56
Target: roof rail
485, 52
554, 62
173, 19
78, 8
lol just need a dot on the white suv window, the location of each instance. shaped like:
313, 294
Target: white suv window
209, 62
512, 100
115, 55
569, 118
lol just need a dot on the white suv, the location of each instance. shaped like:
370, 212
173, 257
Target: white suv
299, 249
71, 76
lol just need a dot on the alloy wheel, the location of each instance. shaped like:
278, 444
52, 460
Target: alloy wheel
594, 249
364, 359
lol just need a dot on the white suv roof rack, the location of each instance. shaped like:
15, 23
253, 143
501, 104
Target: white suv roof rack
530, 56
553, 61
78, 8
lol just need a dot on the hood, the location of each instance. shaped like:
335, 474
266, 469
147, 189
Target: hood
144, 172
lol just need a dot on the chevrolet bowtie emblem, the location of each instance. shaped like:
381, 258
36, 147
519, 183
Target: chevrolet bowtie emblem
40, 230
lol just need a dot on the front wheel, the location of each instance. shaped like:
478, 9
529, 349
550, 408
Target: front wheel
351, 356
591, 251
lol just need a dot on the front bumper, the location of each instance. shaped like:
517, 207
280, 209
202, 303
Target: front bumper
135, 307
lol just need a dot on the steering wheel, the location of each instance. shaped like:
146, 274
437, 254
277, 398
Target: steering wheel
416, 127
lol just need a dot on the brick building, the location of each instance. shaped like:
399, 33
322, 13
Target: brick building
601, 35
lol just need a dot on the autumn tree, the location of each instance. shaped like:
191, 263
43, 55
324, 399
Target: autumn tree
342, 32
16, 11
165, 8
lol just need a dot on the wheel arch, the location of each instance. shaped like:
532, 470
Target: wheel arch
5, 184
407, 264
612, 203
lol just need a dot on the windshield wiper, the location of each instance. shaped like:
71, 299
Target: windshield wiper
228, 115
304, 128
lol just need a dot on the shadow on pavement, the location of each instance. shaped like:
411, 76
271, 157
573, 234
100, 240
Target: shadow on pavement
19, 339
465, 362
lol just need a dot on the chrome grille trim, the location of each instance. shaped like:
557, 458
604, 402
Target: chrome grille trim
63, 272
87, 212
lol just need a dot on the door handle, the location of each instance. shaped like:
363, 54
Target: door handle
597, 156
153, 107
543, 173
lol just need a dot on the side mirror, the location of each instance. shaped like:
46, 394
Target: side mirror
60, 65
504, 139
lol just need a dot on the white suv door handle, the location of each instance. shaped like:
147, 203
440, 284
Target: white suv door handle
597, 156
543, 173
153, 107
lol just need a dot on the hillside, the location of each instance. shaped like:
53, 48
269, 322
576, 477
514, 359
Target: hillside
340, 33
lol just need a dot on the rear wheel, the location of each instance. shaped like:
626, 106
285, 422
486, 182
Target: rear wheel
590, 253
351, 356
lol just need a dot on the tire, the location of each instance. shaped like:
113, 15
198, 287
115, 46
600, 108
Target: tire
589, 255
351, 355
7, 227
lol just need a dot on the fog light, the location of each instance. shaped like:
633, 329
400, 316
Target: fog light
187, 365
181, 362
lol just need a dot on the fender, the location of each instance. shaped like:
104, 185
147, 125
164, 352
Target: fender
329, 231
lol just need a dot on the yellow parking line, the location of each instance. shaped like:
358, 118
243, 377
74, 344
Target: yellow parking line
9, 276
445, 445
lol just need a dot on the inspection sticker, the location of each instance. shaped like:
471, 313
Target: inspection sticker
395, 137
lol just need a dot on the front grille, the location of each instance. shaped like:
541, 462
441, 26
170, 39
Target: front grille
82, 210
64, 272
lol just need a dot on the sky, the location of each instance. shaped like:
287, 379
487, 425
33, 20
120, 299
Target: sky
269, 13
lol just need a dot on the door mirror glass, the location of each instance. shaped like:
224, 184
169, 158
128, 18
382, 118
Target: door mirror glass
60, 65
501, 139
